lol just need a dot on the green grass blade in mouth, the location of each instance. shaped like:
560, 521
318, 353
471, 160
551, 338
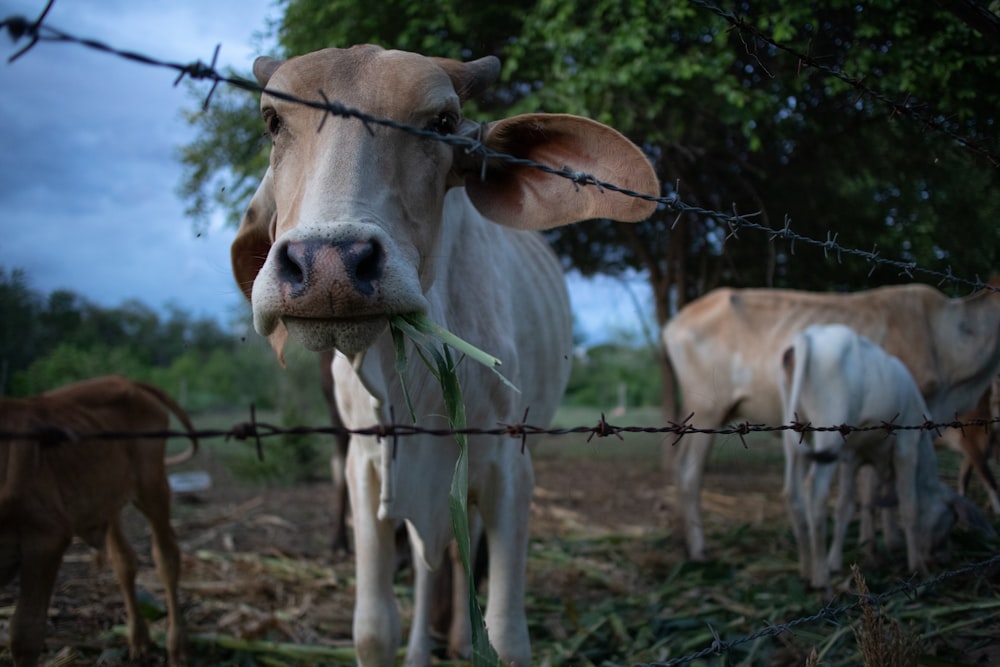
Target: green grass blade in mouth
421, 329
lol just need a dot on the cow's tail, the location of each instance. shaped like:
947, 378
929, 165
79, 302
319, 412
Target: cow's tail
167, 401
794, 362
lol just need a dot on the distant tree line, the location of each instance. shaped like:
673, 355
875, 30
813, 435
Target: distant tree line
50, 340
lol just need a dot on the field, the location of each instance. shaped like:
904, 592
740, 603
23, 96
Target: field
608, 581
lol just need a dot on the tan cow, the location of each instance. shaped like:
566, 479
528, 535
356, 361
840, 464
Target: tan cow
363, 222
723, 349
63, 485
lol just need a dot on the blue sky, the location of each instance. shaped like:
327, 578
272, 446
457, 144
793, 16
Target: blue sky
89, 169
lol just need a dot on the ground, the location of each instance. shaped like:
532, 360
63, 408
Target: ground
608, 583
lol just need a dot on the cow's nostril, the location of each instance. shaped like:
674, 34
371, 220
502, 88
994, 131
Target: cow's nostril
364, 262
293, 263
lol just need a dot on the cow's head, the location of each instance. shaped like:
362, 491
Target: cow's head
345, 228
942, 518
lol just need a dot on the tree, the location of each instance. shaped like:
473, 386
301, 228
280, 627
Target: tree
19, 306
877, 126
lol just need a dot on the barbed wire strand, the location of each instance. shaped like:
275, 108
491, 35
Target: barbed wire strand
19, 27
256, 430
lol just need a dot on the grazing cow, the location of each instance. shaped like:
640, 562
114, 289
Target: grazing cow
976, 444
59, 485
723, 348
828, 376
364, 222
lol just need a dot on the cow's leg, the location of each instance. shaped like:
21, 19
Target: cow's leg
376, 625
460, 628
868, 495
340, 505
155, 504
819, 494
688, 474
41, 555
123, 562
981, 465
906, 450
338, 460
964, 474
418, 648
505, 510
797, 468
450, 604
846, 499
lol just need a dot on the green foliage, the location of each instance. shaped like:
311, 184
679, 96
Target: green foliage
50, 340
730, 122
600, 373
294, 394
69, 362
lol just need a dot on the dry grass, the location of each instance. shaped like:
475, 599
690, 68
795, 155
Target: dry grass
607, 578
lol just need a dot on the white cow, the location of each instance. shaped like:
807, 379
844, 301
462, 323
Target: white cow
723, 348
362, 222
831, 375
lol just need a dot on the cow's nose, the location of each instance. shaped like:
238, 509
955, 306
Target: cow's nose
363, 262
316, 264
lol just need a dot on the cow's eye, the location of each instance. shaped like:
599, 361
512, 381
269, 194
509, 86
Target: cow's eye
272, 121
444, 123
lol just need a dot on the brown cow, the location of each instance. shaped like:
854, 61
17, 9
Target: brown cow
976, 444
63, 483
724, 347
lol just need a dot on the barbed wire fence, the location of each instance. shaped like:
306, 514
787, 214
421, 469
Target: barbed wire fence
37, 31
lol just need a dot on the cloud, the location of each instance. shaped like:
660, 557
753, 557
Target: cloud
89, 170
88, 173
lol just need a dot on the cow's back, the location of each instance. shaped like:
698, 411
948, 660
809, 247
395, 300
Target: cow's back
724, 346
542, 319
84, 478
503, 290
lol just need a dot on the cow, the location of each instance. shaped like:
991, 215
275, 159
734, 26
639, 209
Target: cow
828, 376
723, 346
976, 443
363, 222
60, 483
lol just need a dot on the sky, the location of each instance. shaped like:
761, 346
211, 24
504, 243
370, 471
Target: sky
89, 169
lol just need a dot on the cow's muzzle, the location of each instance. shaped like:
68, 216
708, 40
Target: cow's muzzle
319, 270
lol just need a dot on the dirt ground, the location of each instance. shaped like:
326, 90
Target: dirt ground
257, 563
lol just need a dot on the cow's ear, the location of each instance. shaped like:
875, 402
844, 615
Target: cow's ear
250, 247
471, 79
263, 68
529, 198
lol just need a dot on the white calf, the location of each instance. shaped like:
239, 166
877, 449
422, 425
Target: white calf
829, 376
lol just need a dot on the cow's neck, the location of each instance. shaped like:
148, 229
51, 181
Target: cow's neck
967, 332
